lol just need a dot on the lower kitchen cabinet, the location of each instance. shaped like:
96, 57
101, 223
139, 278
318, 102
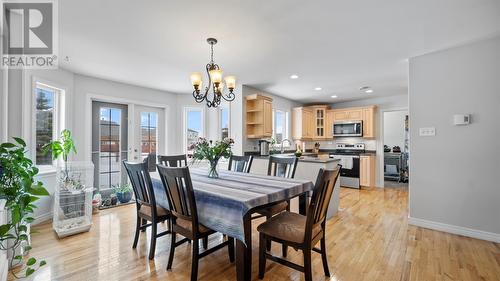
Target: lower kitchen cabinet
367, 170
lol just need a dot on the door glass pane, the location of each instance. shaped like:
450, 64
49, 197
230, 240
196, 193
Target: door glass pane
109, 152
45, 100
149, 135
224, 123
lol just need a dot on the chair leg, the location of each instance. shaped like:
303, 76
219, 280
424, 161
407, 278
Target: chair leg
284, 250
194, 260
307, 264
137, 229
230, 248
172, 250
205, 242
324, 257
152, 247
143, 222
262, 255
268, 242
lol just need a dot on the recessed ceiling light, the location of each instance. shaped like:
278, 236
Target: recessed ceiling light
366, 89
294, 76
334, 96
318, 89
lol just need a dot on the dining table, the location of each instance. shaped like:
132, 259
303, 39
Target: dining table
226, 204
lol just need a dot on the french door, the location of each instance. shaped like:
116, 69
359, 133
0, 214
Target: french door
149, 133
109, 144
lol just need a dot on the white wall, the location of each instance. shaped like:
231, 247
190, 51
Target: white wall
394, 128
279, 103
454, 175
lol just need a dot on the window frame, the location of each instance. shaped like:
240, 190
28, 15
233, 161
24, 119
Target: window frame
287, 120
219, 131
58, 119
149, 131
185, 117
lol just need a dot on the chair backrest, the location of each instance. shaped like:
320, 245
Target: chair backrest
320, 200
141, 183
240, 163
282, 166
173, 160
180, 194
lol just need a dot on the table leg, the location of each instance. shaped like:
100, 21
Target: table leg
244, 252
303, 203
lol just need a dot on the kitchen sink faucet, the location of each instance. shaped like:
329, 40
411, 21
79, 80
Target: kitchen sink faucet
282, 141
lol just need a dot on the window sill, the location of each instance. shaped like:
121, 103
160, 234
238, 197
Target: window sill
46, 170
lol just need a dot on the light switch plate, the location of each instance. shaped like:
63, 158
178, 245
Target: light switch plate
427, 132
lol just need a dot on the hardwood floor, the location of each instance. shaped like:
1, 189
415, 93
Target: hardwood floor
368, 240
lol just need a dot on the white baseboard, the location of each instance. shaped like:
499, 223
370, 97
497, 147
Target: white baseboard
459, 230
42, 218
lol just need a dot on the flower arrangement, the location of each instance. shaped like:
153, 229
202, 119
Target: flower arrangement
204, 149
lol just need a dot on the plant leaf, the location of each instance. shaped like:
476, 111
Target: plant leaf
4, 228
42, 263
29, 271
31, 261
20, 141
38, 190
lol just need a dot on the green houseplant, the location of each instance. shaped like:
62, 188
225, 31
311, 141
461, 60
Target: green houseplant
64, 146
19, 190
123, 192
204, 149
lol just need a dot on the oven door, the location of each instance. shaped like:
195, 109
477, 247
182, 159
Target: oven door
348, 129
349, 176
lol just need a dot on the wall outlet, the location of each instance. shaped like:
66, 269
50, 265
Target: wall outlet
427, 132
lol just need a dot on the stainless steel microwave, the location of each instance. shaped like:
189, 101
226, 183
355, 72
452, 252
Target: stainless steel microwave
348, 128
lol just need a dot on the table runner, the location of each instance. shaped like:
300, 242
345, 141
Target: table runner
223, 202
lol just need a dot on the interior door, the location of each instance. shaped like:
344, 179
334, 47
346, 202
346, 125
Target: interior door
149, 133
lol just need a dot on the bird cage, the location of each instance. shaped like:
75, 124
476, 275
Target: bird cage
73, 198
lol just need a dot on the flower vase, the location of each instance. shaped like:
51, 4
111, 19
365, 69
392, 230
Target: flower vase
212, 170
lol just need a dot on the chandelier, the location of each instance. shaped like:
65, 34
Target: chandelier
214, 91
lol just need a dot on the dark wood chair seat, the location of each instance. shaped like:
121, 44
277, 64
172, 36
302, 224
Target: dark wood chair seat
160, 212
186, 226
274, 209
287, 226
298, 231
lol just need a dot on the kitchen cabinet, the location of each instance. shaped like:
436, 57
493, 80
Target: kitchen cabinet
367, 170
365, 114
302, 123
329, 123
319, 121
369, 122
259, 116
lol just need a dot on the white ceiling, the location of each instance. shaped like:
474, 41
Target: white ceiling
336, 45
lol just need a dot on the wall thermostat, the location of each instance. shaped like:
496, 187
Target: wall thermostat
461, 119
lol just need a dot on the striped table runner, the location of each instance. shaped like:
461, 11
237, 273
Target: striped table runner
223, 202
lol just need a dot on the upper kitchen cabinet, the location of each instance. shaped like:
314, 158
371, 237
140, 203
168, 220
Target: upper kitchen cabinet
369, 121
259, 116
365, 114
303, 119
319, 121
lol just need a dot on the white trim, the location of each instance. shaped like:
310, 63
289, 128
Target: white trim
380, 143
454, 229
4, 103
42, 218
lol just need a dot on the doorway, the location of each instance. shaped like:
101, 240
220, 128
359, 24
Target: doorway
149, 129
396, 140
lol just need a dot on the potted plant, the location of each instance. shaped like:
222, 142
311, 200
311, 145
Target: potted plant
123, 192
64, 146
204, 149
18, 192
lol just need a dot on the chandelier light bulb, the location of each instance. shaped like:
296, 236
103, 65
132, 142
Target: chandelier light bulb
196, 79
215, 75
230, 82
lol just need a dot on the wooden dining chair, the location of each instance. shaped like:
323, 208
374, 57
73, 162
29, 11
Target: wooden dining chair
173, 160
299, 231
240, 163
282, 167
145, 202
180, 194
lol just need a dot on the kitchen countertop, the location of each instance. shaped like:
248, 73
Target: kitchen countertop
305, 158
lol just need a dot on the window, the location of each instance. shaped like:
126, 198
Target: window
193, 126
280, 125
224, 122
47, 120
149, 135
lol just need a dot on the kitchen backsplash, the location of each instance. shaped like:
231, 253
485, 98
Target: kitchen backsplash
330, 144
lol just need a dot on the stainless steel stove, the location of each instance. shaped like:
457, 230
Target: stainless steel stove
349, 159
